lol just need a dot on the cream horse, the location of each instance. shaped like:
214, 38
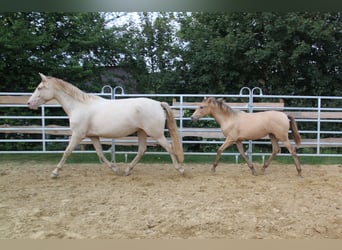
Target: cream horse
94, 117
238, 126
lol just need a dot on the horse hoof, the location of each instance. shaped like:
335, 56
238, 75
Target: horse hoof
54, 175
181, 170
116, 170
127, 173
213, 170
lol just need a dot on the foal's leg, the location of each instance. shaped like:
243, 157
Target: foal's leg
275, 151
142, 137
167, 146
74, 141
225, 145
292, 151
102, 158
242, 153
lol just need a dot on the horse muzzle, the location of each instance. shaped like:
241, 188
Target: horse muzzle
32, 105
194, 118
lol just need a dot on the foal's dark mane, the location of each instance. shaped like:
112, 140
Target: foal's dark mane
221, 104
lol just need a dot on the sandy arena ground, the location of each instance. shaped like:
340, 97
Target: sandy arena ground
89, 201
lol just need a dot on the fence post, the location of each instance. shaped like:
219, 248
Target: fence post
319, 106
112, 97
43, 128
250, 110
181, 118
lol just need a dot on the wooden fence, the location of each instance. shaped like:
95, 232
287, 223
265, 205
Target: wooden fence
181, 109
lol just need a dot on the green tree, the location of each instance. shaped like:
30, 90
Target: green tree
151, 51
283, 53
72, 46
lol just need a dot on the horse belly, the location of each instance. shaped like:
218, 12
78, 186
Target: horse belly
251, 127
110, 130
124, 117
110, 126
252, 133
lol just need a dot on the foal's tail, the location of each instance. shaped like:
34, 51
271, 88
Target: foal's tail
294, 128
172, 126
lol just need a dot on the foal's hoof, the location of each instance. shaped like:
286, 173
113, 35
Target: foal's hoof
263, 170
116, 170
213, 170
254, 172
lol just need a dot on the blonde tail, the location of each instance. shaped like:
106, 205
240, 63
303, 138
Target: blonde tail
172, 126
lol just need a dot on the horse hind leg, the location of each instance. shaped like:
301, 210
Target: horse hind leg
102, 158
242, 153
275, 151
142, 137
293, 153
167, 146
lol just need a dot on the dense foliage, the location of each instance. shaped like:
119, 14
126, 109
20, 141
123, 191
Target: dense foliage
69, 45
283, 53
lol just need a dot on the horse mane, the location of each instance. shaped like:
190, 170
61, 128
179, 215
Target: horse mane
71, 90
221, 104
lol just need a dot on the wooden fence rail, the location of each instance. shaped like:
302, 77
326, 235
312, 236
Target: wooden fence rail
201, 133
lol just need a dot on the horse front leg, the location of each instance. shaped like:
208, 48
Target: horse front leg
242, 153
225, 145
74, 141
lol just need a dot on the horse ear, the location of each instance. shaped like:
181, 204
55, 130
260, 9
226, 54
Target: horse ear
208, 99
44, 78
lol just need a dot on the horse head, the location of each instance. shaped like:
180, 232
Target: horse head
42, 94
203, 109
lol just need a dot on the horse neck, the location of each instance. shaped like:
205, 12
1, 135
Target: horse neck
67, 102
220, 116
